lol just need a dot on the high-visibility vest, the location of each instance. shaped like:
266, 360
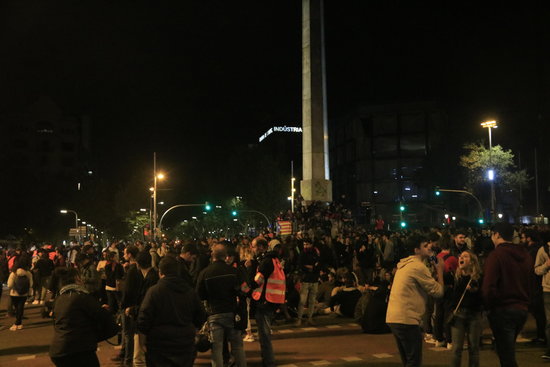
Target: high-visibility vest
275, 287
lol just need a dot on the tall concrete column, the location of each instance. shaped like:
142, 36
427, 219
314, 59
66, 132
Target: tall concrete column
316, 184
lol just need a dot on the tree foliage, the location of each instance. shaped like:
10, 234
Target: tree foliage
478, 160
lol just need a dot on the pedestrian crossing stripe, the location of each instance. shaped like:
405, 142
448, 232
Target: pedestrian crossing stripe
382, 355
320, 363
24, 358
352, 359
310, 328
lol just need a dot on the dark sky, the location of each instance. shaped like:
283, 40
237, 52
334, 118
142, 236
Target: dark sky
190, 79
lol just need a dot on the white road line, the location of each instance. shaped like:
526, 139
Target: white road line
287, 365
334, 326
24, 358
320, 363
286, 331
310, 329
382, 355
352, 359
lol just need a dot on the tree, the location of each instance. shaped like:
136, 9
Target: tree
479, 160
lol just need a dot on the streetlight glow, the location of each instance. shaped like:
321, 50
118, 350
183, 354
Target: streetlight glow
489, 124
160, 176
490, 175
63, 211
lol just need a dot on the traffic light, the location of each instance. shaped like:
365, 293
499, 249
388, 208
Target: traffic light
437, 192
403, 224
207, 207
402, 208
234, 213
481, 221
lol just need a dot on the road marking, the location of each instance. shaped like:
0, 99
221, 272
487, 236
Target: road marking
382, 355
352, 359
310, 329
320, 363
24, 358
287, 365
286, 331
334, 326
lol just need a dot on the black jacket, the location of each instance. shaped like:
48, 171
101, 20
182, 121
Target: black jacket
132, 285
77, 318
184, 271
219, 284
168, 316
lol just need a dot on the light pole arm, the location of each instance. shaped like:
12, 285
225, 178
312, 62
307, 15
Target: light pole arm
255, 211
174, 207
467, 193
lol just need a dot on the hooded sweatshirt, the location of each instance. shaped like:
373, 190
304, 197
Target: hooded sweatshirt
543, 270
411, 287
169, 314
508, 278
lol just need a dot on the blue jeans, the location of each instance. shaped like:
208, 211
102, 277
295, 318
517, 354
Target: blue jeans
409, 343
264, 314
466, 323
506, 325
223, 324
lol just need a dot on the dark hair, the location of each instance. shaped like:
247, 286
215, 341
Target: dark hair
80, 257
132, 250
144, 259
66, 276
433, 237
532, 234
168, 266
414, 242
505, 230
191, 248
261, 242
111, 255
458, 231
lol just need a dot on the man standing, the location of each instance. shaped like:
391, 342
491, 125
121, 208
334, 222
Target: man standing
310, 269
219, 285
269, 293
542, 269
506, 290
168, 318
412, 285
187, 257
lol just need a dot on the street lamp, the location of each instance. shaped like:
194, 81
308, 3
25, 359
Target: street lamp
65, 211
156, 176
489, 125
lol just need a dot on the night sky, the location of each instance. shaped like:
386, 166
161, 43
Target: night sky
193, 79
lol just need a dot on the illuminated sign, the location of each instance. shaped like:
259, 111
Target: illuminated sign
280, 129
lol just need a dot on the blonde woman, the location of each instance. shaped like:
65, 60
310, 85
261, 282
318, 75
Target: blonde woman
467, 320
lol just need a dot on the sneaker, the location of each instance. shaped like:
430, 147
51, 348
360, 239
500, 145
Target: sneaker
441, 344
13, 327
19, 327
248, 338
429, 338
449, 346
545, 355
35, 302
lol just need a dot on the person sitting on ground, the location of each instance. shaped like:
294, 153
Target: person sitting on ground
345, 298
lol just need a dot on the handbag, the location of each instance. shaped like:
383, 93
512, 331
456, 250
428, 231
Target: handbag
202, 339
451, 318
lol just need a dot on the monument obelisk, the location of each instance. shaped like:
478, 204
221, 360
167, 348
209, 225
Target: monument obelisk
315, 184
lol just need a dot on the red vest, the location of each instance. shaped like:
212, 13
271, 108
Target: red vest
275, 287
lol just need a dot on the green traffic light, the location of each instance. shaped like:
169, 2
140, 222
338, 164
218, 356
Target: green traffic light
234, 213
481, 221
403, 224
437, 193
402, 208
208, 207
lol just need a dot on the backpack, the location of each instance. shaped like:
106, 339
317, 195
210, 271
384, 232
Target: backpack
22, 284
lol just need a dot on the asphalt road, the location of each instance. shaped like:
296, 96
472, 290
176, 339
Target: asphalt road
333, 341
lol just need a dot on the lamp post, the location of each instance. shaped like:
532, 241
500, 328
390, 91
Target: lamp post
156, 176
65, 211
489, 125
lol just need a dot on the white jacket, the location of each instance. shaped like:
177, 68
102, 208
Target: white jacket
411, 287
11, 282
542, 269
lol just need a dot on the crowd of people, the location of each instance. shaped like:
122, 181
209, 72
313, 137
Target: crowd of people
430, 284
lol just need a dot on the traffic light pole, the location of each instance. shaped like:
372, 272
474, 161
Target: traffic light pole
174, 207
467, 193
